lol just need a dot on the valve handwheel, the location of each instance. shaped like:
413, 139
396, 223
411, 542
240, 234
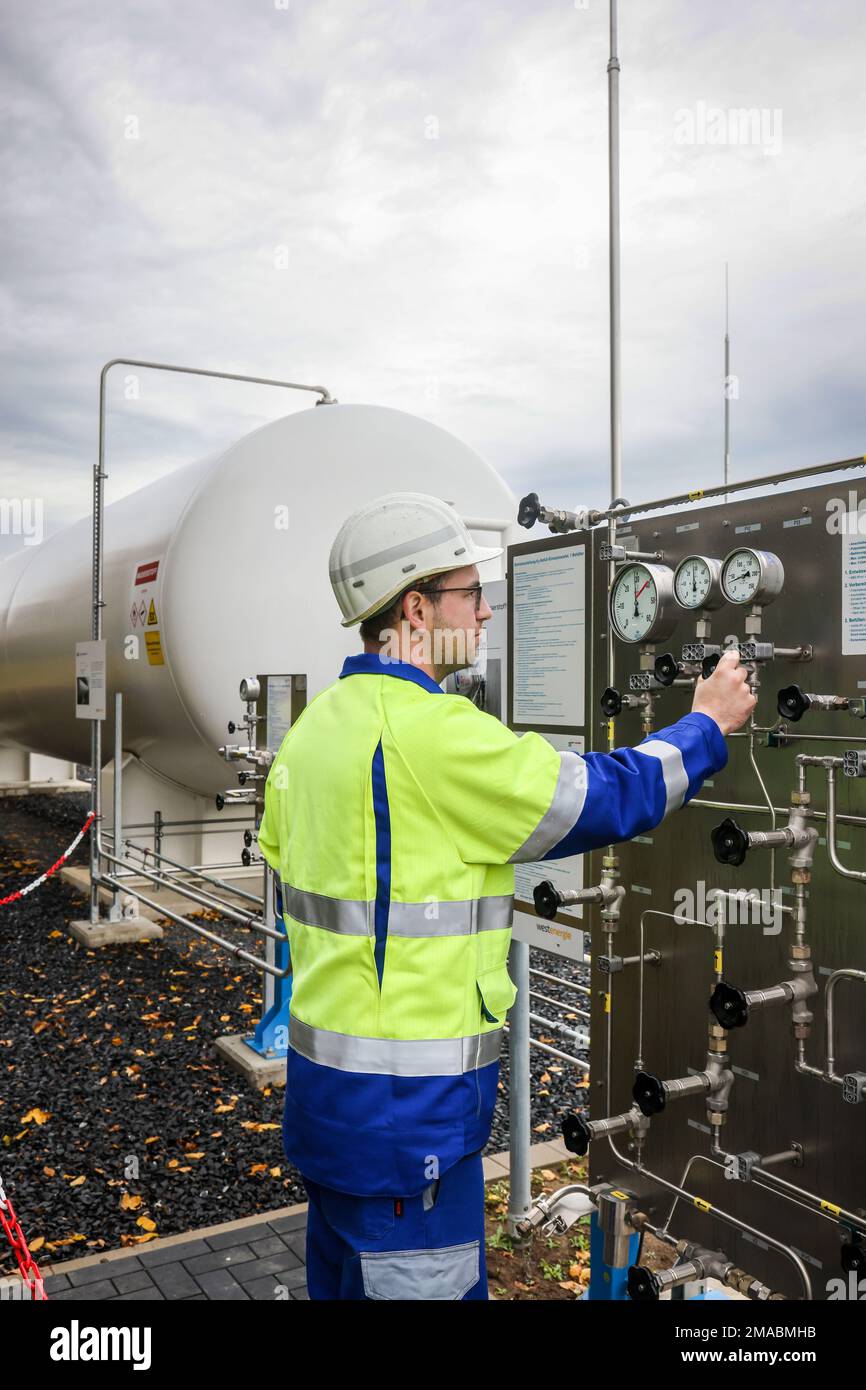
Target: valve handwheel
853, 1256
611, 702
546, 899
649, 1093
641, 1284
729, 1005
792, 703
730, 843
667, 668
528, 509
576, 1133
709, 664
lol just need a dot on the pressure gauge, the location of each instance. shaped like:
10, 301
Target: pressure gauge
642, 605
697, 583
752, 576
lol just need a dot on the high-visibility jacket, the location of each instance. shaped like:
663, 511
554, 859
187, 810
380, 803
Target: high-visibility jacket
394, 816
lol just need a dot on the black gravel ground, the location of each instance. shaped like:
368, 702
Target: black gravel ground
118, 1123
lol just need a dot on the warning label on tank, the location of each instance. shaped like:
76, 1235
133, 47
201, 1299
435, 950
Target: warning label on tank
145, 608
145, 574
154, 649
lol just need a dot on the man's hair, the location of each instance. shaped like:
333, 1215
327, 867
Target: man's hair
390, 616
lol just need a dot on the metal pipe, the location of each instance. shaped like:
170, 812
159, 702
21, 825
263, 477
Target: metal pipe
637, 1166
519, 1083
841, 818
555, 1052
832, 850
567, 984
769, 802
114, 911
829, 1017
188, 868
778, 1187
99, 476
203, 899
799, 737
580, 1038
727, 465
558, 1003
702, 494
718, 1212
208, 935
613, 70
784, 1156
218, 822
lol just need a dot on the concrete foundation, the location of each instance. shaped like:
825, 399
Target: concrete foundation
258, 1071
95, 936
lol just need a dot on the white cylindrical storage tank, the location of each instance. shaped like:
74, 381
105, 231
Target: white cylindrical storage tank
220, 570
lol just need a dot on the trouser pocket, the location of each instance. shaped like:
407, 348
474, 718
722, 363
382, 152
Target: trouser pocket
444, 1274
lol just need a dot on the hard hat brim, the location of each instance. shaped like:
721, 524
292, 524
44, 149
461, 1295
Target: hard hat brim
477, 556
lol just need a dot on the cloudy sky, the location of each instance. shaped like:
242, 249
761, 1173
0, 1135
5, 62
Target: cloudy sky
407, 201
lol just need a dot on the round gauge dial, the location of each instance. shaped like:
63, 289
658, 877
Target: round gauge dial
752, 576
697, 582
642, 607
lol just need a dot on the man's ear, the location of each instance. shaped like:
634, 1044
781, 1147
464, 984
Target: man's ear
413, 610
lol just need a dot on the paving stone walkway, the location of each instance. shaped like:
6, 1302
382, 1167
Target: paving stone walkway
261, 1257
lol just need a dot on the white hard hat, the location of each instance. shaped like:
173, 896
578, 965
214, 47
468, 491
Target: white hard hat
381, 548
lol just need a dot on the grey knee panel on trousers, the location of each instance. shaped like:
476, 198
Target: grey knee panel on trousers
447, 1273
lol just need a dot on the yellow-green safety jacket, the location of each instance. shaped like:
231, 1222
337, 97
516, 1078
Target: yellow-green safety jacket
394, 816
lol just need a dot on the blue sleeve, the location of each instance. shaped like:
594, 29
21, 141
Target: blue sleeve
632, 789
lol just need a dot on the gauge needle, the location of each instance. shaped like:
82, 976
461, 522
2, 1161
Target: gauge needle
641, 589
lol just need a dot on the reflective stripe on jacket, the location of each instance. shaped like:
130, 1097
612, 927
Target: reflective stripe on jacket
394, 815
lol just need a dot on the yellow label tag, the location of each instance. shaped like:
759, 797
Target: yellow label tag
699, 1202
622, 1195
696, 496
154, 649
831, 1207
717, 962
151, 614
607, 1003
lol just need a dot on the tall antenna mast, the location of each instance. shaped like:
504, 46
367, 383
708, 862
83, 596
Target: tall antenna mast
614, 241
727, 387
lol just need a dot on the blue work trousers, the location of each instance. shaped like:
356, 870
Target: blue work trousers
426, 1247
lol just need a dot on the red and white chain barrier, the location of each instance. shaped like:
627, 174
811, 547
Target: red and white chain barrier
58, 864
8, 1220
26, 1263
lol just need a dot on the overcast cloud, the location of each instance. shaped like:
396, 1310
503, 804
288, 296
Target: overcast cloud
407, 201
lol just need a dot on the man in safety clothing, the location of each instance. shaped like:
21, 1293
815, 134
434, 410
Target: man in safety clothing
394, 816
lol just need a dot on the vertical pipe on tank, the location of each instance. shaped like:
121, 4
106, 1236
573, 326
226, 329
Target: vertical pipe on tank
96, 634
614, 244
114, 913
99, 475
